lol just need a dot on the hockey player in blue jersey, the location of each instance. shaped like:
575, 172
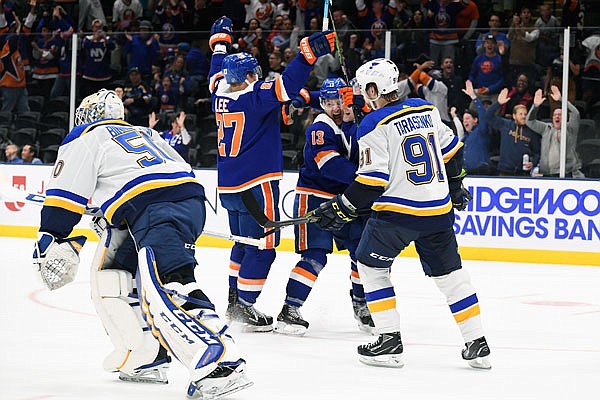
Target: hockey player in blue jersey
250, 155
142, 275
411, 168
330, 163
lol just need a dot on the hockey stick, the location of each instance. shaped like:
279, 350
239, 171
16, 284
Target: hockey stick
254, 209
10, 193
343, 66
326, 15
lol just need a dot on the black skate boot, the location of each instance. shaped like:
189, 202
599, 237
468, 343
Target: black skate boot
477, 353
386, 351
252, 319
231, 302
362, 315
290, 322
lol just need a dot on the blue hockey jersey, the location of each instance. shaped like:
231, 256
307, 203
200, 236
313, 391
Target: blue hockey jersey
249, 141
330, 158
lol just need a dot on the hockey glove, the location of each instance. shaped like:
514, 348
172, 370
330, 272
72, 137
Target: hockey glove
220, 33
302, 99
288, 110
347, 95
57, 260
287, 113
458, 193
317, 45
332, 215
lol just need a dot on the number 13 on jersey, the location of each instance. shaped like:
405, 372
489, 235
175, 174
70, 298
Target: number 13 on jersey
230, 139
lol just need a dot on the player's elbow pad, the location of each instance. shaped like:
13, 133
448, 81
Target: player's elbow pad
454, 165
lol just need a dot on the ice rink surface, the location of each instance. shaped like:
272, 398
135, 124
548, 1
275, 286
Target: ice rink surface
542, 323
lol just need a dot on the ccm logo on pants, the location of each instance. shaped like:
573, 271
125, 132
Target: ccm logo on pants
380, 257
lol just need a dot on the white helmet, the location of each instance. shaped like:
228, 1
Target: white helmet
381, 72
103, 104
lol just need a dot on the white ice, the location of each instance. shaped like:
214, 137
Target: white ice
542, 323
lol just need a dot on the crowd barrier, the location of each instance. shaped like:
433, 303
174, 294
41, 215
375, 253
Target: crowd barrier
552, 221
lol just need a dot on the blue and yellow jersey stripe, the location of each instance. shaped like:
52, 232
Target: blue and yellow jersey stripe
450, 150
66, 200
144, 184
373, 178
82, 130
413, 207
405, 111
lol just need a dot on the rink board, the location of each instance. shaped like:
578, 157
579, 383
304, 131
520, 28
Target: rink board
510, 219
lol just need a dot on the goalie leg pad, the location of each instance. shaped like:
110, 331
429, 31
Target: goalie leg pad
117, 305
193, 333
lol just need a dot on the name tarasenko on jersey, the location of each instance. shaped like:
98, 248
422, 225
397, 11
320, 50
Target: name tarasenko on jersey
412, 122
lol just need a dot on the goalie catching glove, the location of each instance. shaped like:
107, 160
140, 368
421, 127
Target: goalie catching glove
458, 193
332, 215
57, 260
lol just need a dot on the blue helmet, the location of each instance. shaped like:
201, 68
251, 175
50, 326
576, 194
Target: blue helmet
330, 88
236, 66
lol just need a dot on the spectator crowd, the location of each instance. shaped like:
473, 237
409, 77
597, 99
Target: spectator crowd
494, 76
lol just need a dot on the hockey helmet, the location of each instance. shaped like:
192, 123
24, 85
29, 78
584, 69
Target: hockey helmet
236, 66
330, 89
383, 73
103, 104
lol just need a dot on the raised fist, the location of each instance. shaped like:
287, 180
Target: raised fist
221, 32
317, 45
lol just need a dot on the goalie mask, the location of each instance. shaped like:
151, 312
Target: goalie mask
236, 66
101, 105
330, 98
381, 72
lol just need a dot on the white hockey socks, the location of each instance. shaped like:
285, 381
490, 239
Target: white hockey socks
381, 297
462, 299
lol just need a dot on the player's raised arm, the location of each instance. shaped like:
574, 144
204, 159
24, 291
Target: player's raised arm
294, 76
219, 43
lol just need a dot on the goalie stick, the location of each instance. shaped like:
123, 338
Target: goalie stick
10, 193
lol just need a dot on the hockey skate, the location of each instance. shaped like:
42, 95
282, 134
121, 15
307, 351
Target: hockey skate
290, 322
227, 378
477, 353
362, 316
231, 302
252, 319
386, 351
155, 372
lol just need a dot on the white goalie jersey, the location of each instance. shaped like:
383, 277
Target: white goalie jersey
403, 148
121, 167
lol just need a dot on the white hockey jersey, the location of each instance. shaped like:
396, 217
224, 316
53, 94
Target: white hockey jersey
403, 148
120, 167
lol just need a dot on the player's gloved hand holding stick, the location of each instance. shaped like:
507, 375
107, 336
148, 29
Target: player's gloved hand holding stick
220, 33
288, 109
332, 215
458, 193
57, 260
